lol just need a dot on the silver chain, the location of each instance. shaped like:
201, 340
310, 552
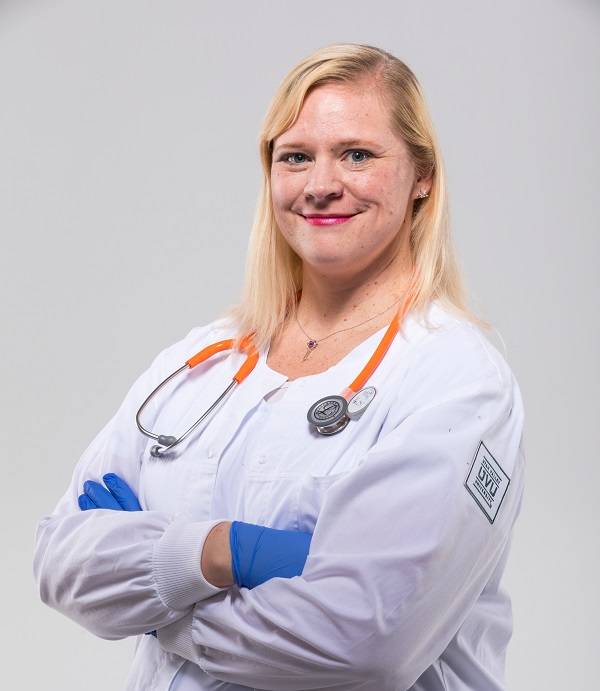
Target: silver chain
312, 343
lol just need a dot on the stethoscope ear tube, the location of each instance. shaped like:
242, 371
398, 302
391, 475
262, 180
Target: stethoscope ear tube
166, 442
138, 415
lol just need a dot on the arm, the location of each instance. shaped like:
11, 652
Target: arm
400, 553
77, 552
242, 553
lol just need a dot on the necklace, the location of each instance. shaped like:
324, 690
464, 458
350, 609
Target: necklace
312, 343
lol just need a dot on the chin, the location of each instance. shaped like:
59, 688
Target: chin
331, 264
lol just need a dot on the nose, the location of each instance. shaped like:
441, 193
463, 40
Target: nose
323, 183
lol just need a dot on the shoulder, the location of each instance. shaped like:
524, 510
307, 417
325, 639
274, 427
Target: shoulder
449, 355
443, 340
177, 353
218, 329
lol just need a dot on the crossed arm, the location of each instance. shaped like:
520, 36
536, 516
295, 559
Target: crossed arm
233, 552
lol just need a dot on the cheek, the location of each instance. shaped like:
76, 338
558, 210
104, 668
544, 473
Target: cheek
277, 190
374, 185
389, 190
282, 200
284, 189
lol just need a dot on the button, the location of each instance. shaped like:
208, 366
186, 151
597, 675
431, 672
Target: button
262, 460
211, 452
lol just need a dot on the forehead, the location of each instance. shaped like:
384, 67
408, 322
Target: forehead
348, 111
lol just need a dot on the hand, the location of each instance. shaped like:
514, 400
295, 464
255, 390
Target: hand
119, 497
259, 553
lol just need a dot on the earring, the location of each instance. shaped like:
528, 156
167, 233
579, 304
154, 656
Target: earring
422, 195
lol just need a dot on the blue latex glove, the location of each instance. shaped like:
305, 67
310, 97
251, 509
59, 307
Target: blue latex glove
259, 553
119, 497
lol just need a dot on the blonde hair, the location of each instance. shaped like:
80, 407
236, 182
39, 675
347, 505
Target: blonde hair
273, 270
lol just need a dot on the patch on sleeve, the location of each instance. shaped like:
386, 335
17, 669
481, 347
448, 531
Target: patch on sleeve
487, 482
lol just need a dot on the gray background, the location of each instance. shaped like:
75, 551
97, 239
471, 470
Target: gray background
128, 179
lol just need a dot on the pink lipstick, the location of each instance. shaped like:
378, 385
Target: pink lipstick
327, 220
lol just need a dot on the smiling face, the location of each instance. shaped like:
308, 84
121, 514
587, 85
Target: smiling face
341, 158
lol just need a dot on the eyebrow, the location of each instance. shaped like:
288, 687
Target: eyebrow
342, 142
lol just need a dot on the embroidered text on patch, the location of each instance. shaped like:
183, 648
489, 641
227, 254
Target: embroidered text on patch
487, 482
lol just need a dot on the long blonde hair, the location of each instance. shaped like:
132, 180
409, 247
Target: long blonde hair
273, 270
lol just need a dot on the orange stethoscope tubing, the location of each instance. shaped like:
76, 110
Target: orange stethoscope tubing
383, 345
167, 442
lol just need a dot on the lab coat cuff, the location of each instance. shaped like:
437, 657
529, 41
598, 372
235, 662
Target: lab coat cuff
177, 638
176, 564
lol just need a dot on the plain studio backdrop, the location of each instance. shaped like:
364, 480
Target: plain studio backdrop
128, 179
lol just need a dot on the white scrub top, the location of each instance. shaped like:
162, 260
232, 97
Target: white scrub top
412, 508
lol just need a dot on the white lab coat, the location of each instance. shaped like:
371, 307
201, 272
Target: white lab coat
401, 588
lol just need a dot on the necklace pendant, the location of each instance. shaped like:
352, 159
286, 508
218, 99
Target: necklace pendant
310, 346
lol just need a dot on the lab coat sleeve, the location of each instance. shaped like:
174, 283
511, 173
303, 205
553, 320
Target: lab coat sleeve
400, 553
121, 573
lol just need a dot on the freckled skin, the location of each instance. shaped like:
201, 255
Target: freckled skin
341, 156
324, 177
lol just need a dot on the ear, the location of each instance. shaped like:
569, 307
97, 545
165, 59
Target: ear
422, 186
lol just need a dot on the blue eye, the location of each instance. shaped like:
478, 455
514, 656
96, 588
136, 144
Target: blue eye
287, 157
366, 155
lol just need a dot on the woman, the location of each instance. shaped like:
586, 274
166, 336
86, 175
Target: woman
409, 496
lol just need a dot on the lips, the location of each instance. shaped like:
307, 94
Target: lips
327, 219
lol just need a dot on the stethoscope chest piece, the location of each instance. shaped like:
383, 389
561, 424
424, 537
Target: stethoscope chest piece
328, 414
360, 402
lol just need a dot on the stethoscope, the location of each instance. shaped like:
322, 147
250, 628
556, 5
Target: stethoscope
328, 415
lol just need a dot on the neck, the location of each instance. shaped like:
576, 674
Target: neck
330, 302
